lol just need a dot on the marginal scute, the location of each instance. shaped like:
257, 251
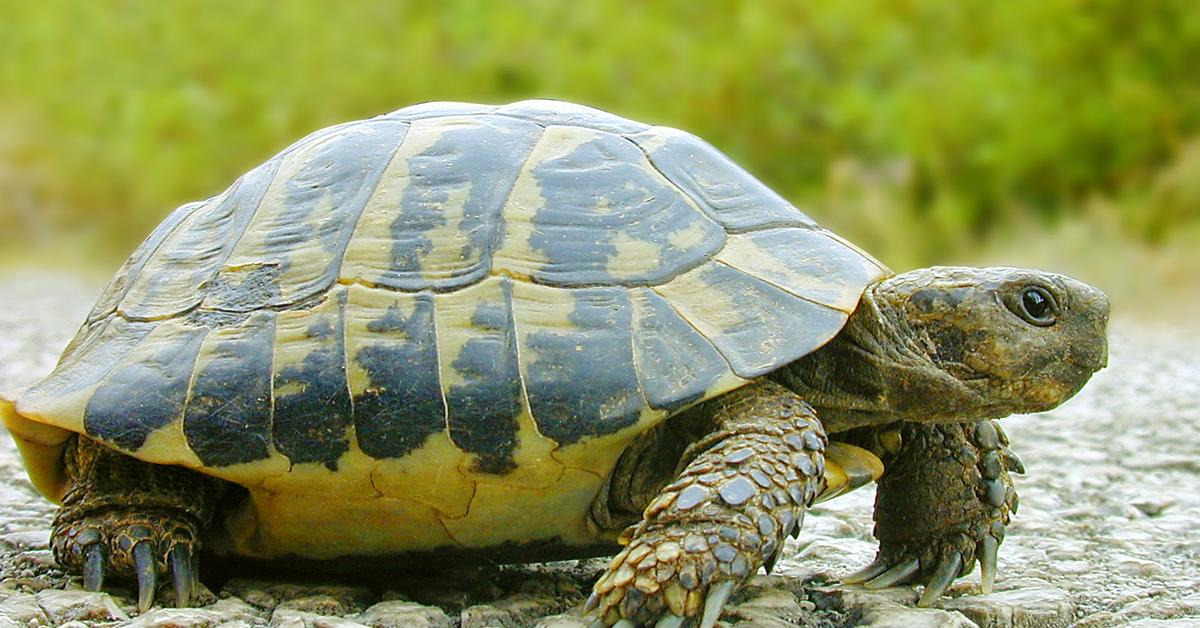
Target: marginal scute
147, 389
735, 198
808, 263
577, 359
228, 415
477, 350
312, 415
755, 325
675, 364
391, 347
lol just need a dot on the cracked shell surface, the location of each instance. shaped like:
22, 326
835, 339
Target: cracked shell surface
403, 312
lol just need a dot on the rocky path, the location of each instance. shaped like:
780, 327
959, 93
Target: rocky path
1108, 533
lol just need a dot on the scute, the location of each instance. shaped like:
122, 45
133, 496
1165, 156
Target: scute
498, 282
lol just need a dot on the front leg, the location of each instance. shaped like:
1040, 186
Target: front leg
741, 490
943, 503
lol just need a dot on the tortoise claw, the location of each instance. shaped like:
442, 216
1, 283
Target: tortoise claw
898, 574
877, 567
988, 548
147, 574
182, 575
715, 603
945, 574
93, 567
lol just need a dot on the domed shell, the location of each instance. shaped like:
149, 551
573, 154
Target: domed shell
496, 275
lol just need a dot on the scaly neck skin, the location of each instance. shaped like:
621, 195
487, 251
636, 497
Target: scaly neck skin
877, 370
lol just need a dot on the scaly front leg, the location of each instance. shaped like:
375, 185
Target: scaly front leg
743, 489
943, 502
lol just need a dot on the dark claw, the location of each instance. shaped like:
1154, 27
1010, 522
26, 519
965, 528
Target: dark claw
898, 574
866, 573
946, 572
181, 571
1012, 462
147, 574
987, 551
770, 564
93, 567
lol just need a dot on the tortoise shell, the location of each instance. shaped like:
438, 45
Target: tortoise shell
512, 292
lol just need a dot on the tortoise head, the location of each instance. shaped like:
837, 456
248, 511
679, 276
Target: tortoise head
988, 342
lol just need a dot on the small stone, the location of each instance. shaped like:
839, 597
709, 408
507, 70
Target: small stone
24, 609
73, 605
316, 604
27, 539
292, 618
397, 614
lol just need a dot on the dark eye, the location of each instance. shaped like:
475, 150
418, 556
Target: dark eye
1037, 306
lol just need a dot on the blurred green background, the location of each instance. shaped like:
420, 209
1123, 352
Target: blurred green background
1036, 132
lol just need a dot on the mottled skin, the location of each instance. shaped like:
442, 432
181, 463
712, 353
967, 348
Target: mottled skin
926, 362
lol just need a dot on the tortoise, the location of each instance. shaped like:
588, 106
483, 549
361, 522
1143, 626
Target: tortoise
530, 332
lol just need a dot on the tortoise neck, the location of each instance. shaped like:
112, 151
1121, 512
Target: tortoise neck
860, 377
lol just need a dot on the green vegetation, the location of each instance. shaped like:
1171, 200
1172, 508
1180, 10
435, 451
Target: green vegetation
920, 129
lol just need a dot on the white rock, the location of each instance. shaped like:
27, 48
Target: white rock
24, 610
401, 614
74, 604
290, 618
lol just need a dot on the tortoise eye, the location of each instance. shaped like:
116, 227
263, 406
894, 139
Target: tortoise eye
1037, 306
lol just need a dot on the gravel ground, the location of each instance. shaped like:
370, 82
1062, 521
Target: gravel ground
1107, 533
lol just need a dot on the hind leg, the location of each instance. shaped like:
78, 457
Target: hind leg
129, 518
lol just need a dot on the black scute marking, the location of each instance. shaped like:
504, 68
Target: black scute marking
676, 364
144, 394
485, 159
402, 405
736, 199
482, 412
245, 288
583, 382
228, 416
312, 425
600, 192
